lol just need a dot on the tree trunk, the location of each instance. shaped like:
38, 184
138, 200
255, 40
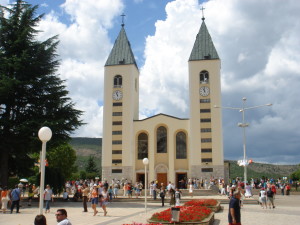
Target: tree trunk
4, 167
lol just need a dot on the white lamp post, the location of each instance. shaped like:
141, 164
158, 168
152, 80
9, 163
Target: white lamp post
45, 135
146, 162
244, 162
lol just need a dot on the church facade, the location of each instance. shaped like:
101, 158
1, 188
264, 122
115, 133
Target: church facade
177, 148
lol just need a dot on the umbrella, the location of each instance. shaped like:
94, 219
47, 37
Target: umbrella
24, 180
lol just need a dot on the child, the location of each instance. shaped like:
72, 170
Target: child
177, 197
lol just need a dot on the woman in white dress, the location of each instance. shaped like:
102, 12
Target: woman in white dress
191, 188
248, 192
4, 198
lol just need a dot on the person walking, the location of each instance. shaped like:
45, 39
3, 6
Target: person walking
288, 189
154, 190
85, 194
104, 200
4, 199
263, 198
270, 198
15, 198
62, 217
234, 214
30, 195
162, 195
116, 189
172, 197
94, 197
48, 196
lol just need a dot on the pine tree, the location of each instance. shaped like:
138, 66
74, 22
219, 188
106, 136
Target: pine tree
91, 165
31, 93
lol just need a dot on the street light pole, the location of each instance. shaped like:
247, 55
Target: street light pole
244, 162
145, 162
45, 135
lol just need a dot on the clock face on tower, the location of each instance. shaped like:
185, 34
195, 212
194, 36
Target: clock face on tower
117, 95
204, 91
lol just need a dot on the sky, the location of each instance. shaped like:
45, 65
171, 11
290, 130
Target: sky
257, 40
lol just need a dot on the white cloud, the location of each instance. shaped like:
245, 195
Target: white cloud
260, 60
4, 2
257, 41
83, 49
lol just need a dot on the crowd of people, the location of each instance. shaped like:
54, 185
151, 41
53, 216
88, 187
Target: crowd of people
100, 193
238, 190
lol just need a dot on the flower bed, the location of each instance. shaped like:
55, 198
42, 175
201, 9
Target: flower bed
213, 204
202, 202
143, 224
187, 214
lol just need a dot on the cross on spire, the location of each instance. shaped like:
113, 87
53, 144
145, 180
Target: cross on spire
202, 9
123, 15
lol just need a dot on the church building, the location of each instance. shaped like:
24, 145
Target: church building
177, 148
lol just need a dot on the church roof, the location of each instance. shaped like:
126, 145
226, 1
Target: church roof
204, 48
159, 115
121, 53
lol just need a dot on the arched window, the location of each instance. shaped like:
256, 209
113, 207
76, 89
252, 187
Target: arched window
142, 146
180, 145
118, 81
161, 137
204, 77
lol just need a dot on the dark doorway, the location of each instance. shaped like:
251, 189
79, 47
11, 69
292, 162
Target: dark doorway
181, 180
140, 177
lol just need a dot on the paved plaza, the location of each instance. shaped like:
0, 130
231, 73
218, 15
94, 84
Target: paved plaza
287, 211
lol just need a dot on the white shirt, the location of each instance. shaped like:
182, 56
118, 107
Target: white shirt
64, 222
263, 193
48, 194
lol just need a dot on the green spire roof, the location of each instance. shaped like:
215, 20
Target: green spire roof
204, 48
121, 53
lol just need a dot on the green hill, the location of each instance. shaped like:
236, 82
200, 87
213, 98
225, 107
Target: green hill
257, 170
93, 146
85, 147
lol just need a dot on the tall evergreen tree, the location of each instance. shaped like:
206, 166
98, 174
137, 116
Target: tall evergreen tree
91, 165
31, 93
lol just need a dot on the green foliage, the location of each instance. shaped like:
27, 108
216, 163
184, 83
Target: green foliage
54, 178
296, 175
82, 174
63, 159
91, 165
258, 170
84, 148
13, 181
31, 94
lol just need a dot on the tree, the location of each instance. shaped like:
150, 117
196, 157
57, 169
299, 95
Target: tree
31, 94
296, 175
91, 165
63, 159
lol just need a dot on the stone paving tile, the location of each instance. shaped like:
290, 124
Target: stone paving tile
287, 210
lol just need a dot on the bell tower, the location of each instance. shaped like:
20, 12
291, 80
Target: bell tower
206, 142
121, 97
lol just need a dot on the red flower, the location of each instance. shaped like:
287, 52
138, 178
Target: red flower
202, 202
187, 213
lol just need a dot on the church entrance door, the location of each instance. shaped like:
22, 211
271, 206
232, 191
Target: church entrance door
140, 177
162, 178
181, 179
